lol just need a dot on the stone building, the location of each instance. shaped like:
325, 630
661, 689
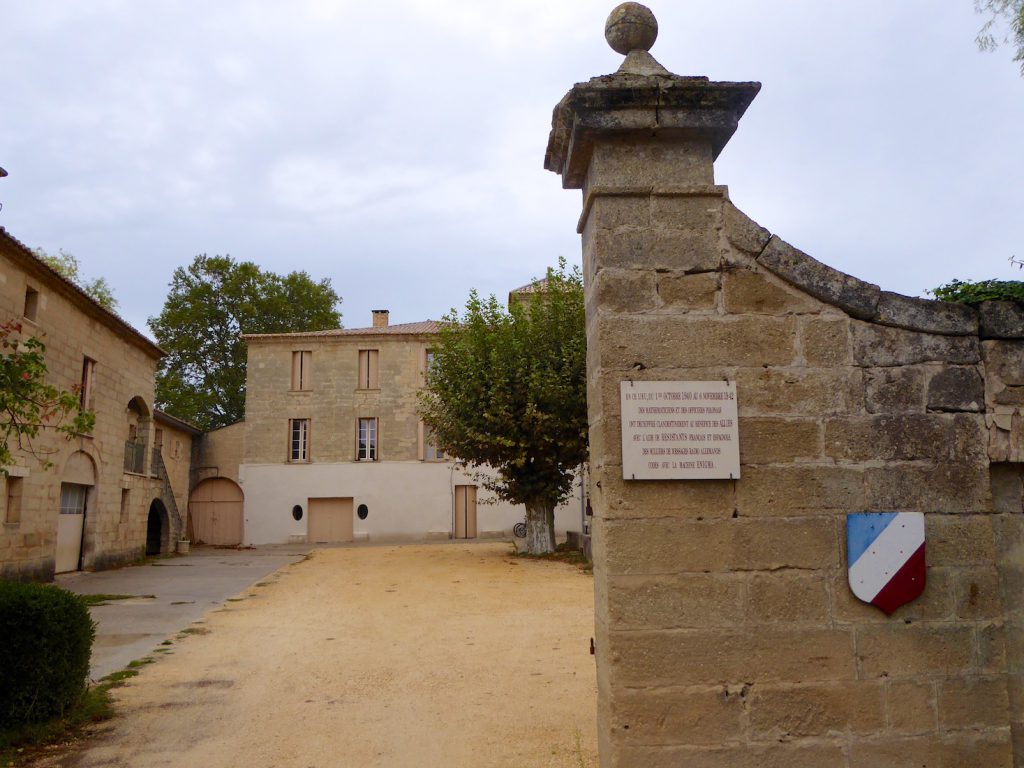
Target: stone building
108, 497
334, 449
726, 631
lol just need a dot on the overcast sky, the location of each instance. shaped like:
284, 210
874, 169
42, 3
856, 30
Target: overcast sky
396, 147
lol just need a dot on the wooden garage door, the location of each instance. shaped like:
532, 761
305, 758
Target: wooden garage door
215, 509
330, 521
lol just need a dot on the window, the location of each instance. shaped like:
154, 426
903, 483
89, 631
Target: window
73, 498
431, 452
367, 446
299, 444
31, 303
368, 369
88, 373
125, 504
12, 512
301, 370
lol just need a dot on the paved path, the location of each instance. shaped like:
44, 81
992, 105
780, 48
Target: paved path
453, 655
171, 593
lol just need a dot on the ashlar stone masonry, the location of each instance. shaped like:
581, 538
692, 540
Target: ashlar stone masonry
726, 634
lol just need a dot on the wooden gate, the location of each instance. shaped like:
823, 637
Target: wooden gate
330, 521
215, 509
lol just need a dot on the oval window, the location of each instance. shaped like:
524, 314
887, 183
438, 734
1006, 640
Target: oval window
297, 512
362, 511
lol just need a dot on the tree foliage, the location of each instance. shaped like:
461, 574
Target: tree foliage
67, 265
507, 390
28, 404
1008, 12
211, 303
968, 292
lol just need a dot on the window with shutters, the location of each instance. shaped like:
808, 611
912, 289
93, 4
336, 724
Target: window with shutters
302, 369
369, 369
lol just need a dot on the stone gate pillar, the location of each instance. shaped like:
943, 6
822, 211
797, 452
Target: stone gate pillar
726, 634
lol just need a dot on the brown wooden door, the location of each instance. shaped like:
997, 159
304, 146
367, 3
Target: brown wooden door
215, 508
330, 521
465, 511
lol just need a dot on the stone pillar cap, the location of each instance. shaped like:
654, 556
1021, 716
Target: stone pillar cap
642, 97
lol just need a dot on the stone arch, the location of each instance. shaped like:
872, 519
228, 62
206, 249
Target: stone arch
215, 509
158, 529
138, 423
77, 496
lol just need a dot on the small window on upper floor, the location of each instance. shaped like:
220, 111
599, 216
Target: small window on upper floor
428, 361
31, 303
88, 375
302, 362
369, 367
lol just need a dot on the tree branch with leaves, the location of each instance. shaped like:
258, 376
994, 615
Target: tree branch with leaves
28, 404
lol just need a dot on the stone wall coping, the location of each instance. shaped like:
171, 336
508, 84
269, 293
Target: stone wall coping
624, 103
866, 301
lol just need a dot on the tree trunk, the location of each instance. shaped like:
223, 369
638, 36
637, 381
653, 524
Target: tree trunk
540, 527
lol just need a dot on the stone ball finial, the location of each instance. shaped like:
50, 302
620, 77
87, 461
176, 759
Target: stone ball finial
631, 27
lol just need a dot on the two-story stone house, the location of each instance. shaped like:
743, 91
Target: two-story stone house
334, 449
100, 499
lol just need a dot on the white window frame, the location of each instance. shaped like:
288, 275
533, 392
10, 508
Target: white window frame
367, 438
298, 440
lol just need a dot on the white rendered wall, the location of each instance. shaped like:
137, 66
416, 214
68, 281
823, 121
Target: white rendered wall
406, 500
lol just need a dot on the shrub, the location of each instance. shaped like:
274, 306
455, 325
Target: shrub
968, 292
44, 652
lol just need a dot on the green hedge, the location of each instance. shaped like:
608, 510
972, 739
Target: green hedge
45, 646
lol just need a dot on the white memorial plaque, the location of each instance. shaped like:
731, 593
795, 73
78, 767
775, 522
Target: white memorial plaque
679, 430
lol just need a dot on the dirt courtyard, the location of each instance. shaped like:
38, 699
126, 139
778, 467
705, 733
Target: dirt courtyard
427, 655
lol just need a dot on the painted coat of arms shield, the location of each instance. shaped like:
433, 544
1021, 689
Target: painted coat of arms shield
885, 555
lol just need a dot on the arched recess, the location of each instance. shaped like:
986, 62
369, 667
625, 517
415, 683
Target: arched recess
215, 512
158, 529
138, 418
77, 481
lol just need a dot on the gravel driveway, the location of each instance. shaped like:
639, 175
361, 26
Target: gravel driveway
426, 655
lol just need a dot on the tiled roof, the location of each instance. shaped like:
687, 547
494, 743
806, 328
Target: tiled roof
84, 300
399, 329
534, 287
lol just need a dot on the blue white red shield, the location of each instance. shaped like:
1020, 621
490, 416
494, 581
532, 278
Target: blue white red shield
885, 553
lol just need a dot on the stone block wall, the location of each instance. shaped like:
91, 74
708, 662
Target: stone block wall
73, 327
334, 403
726, 633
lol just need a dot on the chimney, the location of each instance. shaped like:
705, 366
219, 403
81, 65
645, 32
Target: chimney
380, 318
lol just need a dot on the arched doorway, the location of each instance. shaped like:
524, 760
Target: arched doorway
157, 530
215, 512
76, 484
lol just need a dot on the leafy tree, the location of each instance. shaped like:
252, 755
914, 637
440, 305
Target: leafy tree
28, 404
67, 265
507, 390
211, 303
1012, 13
968, 292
